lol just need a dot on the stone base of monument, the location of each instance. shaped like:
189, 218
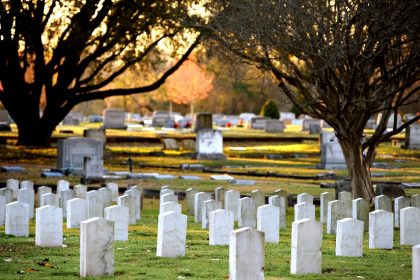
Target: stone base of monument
215, 156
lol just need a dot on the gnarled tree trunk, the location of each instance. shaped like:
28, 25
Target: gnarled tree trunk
358, 169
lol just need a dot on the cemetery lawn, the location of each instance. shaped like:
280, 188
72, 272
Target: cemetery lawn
136, 258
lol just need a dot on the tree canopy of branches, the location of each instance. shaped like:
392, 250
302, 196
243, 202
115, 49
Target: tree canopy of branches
189, 84
342, 61
61, 53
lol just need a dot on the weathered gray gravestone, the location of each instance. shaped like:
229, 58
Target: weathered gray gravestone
114, 118
72, 151
412, 137
203, 121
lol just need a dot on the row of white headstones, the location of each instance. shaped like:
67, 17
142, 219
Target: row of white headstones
344, 217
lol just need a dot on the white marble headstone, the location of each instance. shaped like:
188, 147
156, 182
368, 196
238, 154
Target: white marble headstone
410, 226
231, 202
399, 203
120, 216
349, 238
172, 234
42, 190
49, 226
96, 247
208, 206
17, 219
305, 197
323, 211
361, 209
220, 225
246, 254
77, 211
280, 202
306, 247
268, 221
247, 213
381, 230
129, 202
199, 198
304, 210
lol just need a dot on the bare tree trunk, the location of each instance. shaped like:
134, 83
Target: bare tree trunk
358, 169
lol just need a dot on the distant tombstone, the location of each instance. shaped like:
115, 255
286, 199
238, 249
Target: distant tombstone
337, 210
7, 194
80, 191
304, 210
106, 196
49, 226
27, 185
410, 226
42, 190
27, 196
349, 239
383, 202
2, 210
268, 221
412, 137
390, 122
113, 187
189, 194
416, 262
49, 199
371, 124
77, 211
326, 137
72, 151
258, 122
381, 230
170, 144
220, 225
305, 197
17, 219
345, 197
199, 198
219, 195
399, 203
246, 254
231, 202
247, 212
129, 202
172, 234
169, 197
13, 184
274, 126
114, 118
93, 168
209, 144
95, 206
120, 216
161, 121
360, 211
332, 156
171, 206
306, 247
287, 117
203, 121
415, 200
326, 197
306, 123
138, 193
283, 193
258, 197
98, 134
96, 247
62, 185
314, 129
65, 196
208, 206
280, 202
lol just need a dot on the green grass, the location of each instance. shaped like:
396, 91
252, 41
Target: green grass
136, 258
